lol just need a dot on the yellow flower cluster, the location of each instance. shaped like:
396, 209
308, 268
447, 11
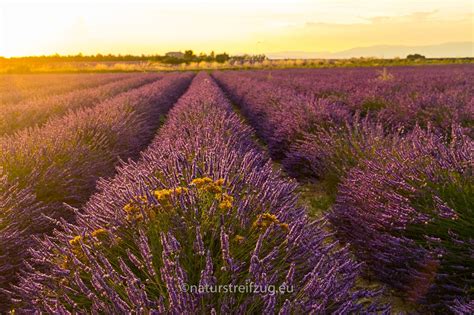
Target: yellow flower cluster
226, 201
133, 209
64, 262
133, 212
220, 182
215, 187
76, 249
99, 233
75, 243
285, 227
266, 219
200, 182
163, 195
207, 184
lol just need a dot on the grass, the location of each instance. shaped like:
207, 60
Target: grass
315, 197
10, 66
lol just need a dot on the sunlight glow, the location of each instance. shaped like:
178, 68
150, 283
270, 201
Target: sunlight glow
90, 27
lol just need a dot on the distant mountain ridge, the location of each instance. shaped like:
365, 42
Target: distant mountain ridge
453, 49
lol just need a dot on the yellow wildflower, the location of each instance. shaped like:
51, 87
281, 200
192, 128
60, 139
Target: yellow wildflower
64, 262
199, 182
76, 246
162, 194
180, 190
239, 239
265, 220
285, 227
99, 233
75, 241
220, 182
225, 197
225, 205
133, 212
212, 188
129, 208
226, 201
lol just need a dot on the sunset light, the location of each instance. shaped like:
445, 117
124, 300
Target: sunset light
235, 26
236, 157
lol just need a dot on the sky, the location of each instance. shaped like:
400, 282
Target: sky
234, 26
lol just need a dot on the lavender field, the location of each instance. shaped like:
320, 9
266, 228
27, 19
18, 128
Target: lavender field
320, 191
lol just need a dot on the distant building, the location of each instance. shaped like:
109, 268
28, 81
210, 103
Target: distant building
175, 54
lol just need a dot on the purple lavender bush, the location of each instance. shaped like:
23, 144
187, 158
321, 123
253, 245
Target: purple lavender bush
280, 103
39, 110
436, 95
18, 207
61, 161
409, 215
24, 87
375, 113
462, 307
279, 115
202, 207
329, 153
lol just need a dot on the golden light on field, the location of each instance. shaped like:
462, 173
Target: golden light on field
235, 26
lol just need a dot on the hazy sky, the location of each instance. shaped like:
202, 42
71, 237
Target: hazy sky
235, 26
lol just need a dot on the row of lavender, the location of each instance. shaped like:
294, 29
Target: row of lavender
401, 95
44, 167
202, 207
403, 193
39, 110
19, 88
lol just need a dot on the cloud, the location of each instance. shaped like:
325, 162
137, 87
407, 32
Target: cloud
384, 19
417, 28
149, 26
413, 17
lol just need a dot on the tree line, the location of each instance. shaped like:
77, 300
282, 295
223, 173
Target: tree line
187, 57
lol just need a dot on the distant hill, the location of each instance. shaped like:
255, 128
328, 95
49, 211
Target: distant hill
455, 49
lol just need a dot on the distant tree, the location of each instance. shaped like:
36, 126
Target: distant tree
415, 56
222, 57
189, 55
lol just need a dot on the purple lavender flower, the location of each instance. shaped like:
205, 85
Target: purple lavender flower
44, 167
202, 173
408, 216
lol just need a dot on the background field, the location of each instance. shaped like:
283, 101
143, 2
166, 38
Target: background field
78, 64
353, 185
